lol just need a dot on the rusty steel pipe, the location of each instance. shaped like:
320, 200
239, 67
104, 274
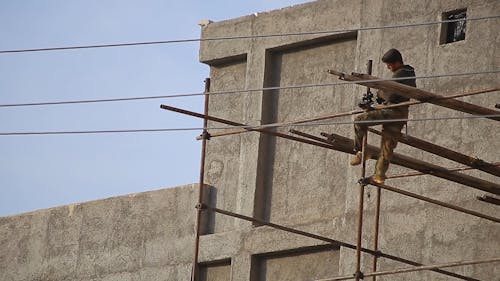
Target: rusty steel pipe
358, 274
376, 230
195, 269
456, 169
352, 112
332, 241
446, 153
489, 199
417, 268
434, 201
228, 122
319, 144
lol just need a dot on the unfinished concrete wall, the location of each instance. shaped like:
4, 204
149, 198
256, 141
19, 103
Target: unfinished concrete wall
309, 187
149, 236
144, 236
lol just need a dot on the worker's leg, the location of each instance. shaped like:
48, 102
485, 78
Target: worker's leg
360, 130
390, 132
387, 145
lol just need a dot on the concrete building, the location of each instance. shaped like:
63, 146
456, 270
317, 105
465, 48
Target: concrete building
149, 236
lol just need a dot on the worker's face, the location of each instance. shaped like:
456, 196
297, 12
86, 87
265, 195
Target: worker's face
393, 66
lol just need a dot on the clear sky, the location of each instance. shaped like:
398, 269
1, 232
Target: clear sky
45, 171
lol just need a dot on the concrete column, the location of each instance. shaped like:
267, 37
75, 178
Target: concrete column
249, 156
241, 267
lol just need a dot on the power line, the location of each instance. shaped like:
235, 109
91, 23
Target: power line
243, 91
97, 132
246, 126
245, 36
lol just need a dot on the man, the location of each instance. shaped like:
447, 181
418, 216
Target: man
390, 131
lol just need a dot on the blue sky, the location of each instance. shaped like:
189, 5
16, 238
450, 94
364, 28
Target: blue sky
44, 171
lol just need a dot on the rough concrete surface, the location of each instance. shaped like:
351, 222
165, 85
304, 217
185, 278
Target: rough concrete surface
149, 236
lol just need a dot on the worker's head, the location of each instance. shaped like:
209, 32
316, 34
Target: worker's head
393, 60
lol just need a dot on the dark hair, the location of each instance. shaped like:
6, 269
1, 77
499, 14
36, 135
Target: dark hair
392, 56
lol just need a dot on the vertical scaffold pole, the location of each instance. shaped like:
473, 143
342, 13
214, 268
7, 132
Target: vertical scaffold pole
375, 235
199, 209
377, 205
359, 274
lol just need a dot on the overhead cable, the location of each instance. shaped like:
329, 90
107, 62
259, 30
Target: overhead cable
246, 36
243, 91
249, 127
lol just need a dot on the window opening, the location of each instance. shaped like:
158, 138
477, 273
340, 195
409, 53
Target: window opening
454, 31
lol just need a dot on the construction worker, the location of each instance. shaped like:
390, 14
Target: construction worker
390, 131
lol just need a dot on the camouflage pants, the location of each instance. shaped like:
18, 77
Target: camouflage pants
390, 131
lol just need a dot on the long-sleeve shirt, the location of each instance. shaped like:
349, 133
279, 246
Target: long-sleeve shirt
404, 71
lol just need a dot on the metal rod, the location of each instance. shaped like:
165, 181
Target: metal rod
358, 273
225, 121
195, 269
319, 144
446, 153
280, 227
489, 199
422, 166
377, 200
409, 193
456, 169
332, 241
418, 94
376, 230
344, 144
352, 112
417, 268
434, 201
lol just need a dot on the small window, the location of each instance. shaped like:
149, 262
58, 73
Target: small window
454, 30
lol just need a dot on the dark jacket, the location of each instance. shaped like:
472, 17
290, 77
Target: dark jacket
404, 71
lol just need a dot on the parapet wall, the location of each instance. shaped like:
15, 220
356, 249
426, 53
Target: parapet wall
144, 236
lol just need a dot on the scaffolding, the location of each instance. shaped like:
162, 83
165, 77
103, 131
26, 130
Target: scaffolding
343, 144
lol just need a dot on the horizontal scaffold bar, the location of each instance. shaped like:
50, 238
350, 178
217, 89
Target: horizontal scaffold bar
421, 166
331, 116
446, 153
320, 144
454, 169
332, 241
416, 268
434, 201
418, 94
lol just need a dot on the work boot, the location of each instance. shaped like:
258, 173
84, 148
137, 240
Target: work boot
356, 159
378, 179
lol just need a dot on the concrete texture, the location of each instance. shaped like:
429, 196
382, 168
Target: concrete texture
149, 236
145, 236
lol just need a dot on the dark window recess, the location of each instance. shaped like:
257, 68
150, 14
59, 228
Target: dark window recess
454, 31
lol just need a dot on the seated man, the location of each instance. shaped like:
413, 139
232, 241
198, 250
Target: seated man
390, 131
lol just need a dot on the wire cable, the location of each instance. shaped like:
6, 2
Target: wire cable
245, 36
244, 91
249, 127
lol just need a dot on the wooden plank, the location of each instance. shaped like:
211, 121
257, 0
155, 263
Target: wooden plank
424, 167
331, 116
446, 153
418, 94
346, 145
